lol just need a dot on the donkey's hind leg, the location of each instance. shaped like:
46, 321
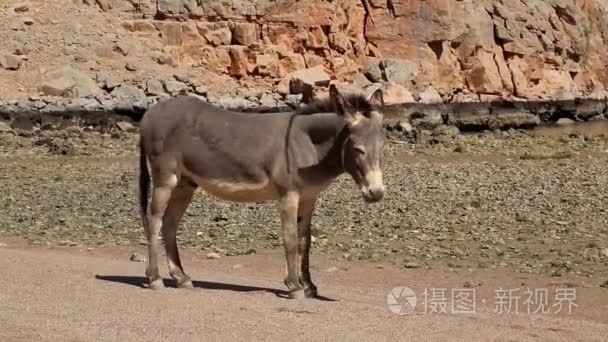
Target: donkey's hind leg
289, 212
163, 185
305, 211
180, 199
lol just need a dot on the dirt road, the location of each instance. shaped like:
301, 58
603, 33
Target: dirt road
79, 295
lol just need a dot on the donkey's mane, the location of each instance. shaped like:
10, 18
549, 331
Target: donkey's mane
325, 105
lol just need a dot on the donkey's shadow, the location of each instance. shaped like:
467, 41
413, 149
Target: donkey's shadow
141, 282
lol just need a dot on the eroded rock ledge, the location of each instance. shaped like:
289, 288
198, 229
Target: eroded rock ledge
52, 113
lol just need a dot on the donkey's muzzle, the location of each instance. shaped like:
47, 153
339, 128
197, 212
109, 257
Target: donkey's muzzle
373, 194
373, 191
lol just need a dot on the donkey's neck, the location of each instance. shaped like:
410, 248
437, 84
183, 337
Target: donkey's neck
326, 133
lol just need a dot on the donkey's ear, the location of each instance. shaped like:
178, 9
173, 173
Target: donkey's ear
376, 98
336, 99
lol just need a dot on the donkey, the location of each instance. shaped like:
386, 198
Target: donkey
289, 157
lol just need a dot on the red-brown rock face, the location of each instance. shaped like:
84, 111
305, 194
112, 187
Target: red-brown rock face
527, 48
522, 48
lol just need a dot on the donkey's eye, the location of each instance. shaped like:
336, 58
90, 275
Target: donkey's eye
359, 149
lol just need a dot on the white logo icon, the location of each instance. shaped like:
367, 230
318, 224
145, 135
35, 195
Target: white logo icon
401, 300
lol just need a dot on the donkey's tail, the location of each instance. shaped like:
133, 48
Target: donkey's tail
144, 182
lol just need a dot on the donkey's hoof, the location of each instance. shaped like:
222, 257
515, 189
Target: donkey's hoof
311, 292
297, 294
185, 284
157, 285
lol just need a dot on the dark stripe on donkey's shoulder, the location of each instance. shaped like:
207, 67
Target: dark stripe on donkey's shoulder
325, 105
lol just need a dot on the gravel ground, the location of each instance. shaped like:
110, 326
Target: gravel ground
527, 201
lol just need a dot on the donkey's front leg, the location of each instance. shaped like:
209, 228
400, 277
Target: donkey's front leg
161, 194
180, 199
305, 211
289, 215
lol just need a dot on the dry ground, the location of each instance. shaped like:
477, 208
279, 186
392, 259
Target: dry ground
508, 210
78, 295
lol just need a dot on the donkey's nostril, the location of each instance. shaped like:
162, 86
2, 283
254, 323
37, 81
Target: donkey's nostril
373, 194
377, 193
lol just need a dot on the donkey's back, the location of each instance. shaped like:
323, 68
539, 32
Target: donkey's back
188, 114
194, 127
231, 155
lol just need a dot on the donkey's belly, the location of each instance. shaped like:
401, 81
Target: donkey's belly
238, 192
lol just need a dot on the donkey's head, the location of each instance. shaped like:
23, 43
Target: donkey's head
362, 152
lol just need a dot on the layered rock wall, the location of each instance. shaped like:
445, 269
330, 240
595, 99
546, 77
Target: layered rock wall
530, 49
527, 49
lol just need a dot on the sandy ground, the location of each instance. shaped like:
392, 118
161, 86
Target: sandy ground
79, 295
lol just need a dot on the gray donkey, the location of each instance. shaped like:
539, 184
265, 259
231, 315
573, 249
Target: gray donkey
289, 157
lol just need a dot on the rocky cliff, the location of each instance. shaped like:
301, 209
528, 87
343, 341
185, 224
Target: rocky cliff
529, 49
420, 50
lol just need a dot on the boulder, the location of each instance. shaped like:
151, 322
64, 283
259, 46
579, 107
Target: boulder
429, 95
267, 65
174, 87
395, 70
109, 82
244, 34
315, 76
268, 102
201, 90
239, 61
399, 71
131, 65
235, 103
171, 32
305, 80
313, 60
68, 82
170, 7
123, 47
221, 36
154, 87
373, 72
396, 94
130, 98
291, 62
427, 118
126, 126
9, 61
360, 80
317, 39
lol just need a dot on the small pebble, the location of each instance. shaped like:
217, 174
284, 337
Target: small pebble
472, 284
131, 66
136, 257
213, 255
412, 264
